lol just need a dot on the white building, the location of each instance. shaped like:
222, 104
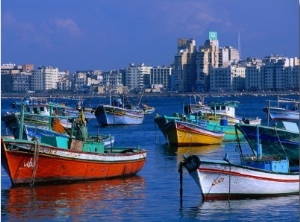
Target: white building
45, 78
227, 79
161, 75
137, 77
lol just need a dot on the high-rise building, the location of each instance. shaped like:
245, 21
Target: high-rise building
184, 66
45, 78
161, 75
228, 55
207, 57
227, 79
112, 80
137, 77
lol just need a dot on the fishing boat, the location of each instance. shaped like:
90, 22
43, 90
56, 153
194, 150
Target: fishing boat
60, 159
119, 113
216, 111
184, 133
148, 109
282, 140
42, 106
256, 176
35, 130
210, 125
282, 109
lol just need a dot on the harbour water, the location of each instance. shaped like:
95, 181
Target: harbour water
153, 194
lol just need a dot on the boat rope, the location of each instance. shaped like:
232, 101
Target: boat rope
180, 179
229, 177
284, 150
219, 178
156, 129
168, 140
35, 161
280, 141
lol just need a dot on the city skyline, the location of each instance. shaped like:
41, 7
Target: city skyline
110, 35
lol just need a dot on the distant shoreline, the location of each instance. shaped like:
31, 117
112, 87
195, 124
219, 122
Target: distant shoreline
87, 96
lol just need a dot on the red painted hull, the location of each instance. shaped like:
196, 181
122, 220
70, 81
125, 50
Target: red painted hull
52, 167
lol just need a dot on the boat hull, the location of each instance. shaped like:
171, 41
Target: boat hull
273, 141
221, 180
281, 114
113, 115
180, 133
230, 133
31, 162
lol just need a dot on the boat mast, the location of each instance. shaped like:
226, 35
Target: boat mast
268, 119
21, 121
258, 145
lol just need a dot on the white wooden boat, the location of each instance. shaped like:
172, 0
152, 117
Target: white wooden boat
256, 176
119, 113
225, 180
148, 109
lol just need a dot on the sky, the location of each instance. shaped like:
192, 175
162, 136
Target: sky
110, 34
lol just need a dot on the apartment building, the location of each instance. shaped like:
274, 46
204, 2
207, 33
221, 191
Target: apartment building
184, 65
210, 68
160, 75
45, 78
137, 77
207, 58
227, 79
21, 82
278, 72
15, 77
112, 80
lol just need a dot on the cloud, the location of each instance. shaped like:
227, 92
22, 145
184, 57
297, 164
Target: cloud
68, 25
8, 19
192, 18
42, 34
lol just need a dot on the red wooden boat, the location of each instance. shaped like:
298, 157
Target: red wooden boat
29, 162
56, 158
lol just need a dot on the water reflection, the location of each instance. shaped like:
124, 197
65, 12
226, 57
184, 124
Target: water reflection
190, 150
69, 200
283, 208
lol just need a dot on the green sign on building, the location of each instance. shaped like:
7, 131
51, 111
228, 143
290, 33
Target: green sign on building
213, 36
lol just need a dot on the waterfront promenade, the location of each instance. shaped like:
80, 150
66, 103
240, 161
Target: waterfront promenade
68, 95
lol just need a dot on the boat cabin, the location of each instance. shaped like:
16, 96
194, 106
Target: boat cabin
268, 163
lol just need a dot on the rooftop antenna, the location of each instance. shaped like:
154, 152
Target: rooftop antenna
239, 44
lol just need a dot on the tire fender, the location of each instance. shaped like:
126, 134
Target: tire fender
192, 163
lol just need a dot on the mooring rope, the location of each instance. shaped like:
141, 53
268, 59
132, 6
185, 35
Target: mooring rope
280, 141
284, 150
36, 153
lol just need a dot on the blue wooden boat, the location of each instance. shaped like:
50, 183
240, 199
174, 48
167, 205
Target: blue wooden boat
283, 142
